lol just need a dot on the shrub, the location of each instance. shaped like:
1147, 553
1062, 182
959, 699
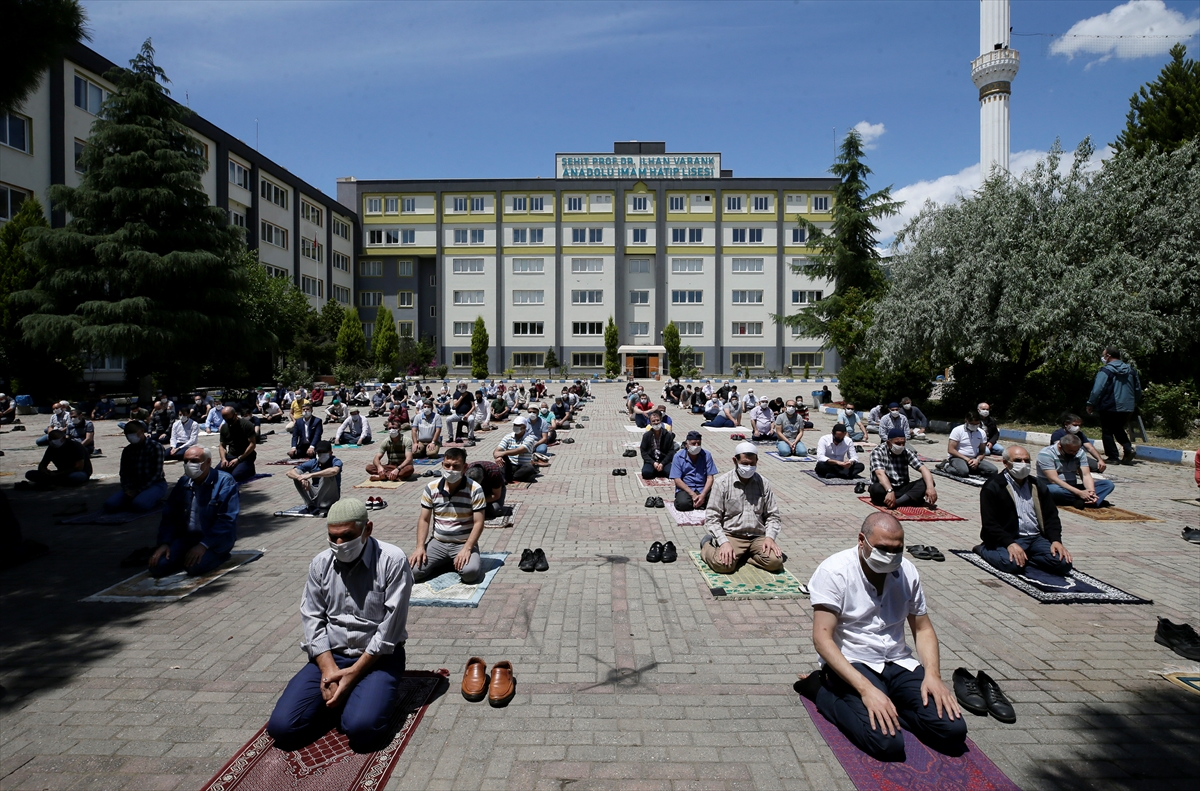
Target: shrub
1171, 407
863, 382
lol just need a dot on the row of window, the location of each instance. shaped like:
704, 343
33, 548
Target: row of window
405, 299
239, 175
596, 359
596, 203
383, 237
596, 328
578, 266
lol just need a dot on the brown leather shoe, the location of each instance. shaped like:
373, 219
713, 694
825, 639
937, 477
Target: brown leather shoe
503, 686
475, 680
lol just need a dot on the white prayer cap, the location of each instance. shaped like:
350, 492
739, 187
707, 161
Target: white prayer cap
521, 421
745, 447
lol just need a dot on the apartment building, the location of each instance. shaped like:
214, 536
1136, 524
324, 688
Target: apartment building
641, 235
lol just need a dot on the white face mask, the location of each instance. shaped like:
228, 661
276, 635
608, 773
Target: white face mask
972, 427
133, 439
428, 413
694, 450
452, 476
1103, 360
791, 410
747, 470
323, 458
848, 411
894, 412
896, 450
307, 413
394, 434
1072, 429
908, 407
1019, 470
882, 562
193, 470
985, 412
348, 551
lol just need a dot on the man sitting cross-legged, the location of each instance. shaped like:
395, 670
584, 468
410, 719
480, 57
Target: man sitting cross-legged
967, 449
762, 421
1064, 469
890, 463
1020, 520
199, 521
742, 518
398, 448
455, 506
237, 445
306, 433
426, 432
354, 612
789, 431
185, 433
836, 457
490, 476
82, 431
142, 481
658, 449
870, 683
694, 471
355, 430
853, 423
319, 480
72, 463
515, 452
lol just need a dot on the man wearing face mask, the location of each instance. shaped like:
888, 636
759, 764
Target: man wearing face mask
762, 422
836, 457
185, 433
967, 448
1021, 527
1064, 469
199, 522
853, 423
318, 480
426, 432
306, 433
1115, 395
72, 464
238, 445
890, 463
1073, 424
642, 409
515, 452
455, 506
657, 449
60, 419
82, 431
990, 429
142, 481
539, 427
462, 408
917, 422
742, 519
335, 412
398, 448
693, 471
355, 430
894, 418
789, 432
870, 683
355, 615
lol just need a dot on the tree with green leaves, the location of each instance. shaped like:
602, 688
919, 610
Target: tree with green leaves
279, 316
846, 255
670, 341
39, 33
351, 341
550, 361
385, 343
479, 349
146, 266
1164, 113
612, 340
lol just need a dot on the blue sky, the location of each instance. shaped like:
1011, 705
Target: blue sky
444, 90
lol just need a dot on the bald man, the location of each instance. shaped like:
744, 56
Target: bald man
238, 443
870, 683
199, 521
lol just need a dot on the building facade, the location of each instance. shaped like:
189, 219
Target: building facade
639, 235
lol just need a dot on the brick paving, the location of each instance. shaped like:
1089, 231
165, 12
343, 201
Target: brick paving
629, 674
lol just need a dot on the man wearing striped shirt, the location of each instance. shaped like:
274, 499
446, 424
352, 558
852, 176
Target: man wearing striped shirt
515, 452
455, 505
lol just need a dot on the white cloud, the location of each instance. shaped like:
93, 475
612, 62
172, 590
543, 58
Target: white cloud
869, 132
1138, 29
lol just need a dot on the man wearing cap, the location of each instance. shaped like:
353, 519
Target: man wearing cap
693, 471
515, 452
836, 457
749, 401
355, 430
319, 479
398, 448
199, 522
142, 481
742, 519
454, 506
355, 613
890, 463
8, 410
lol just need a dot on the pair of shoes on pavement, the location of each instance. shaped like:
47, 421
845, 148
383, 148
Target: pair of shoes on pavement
629, 453
655, 502
1179, 637
979, 694
620, 471
1191, 534
860, 487
376, 503
533, 560
662, 553
498, 688
924, 552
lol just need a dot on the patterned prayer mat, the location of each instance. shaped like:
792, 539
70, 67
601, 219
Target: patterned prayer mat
922, 768
448, 590
1075, 588
1188, 680
370, 484
504, 521
285, 462
101, 518
299, 512
973, 480
653, 483
520, 484
915, 513
329, 763
144, 588
426, 462
790, 458
693, 517
834, 481
1110, 514
750, 582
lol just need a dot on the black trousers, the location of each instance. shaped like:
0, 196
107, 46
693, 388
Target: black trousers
827, 470
1112, 433
911, 493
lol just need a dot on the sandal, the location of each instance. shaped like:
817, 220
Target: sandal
935, 554
920, 552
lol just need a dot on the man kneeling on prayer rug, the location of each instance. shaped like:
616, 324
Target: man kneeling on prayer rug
742, 518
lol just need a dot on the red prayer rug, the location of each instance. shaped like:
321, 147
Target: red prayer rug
329, 763
915, 513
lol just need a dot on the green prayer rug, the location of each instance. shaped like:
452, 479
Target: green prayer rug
750, 582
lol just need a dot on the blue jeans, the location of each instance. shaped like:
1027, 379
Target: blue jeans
1037, 554
997, 449
640, 420
145, 500
42, 441
542, 448
785, 450
51, 478
720, 421
1063, 497
242, 471
179, 549
301, 716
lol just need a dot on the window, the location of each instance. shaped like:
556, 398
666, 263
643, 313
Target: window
762, 202
733, 203
404, 268
275, 271
528, 264
311, 213
800, 297
747, 359
374, 205
468, 297
408, 236
578, 235
311, 249
676, 203
274, 193
641, 203
461, 359
341, 294
79, 146
587, 360
370, 299
683, 265
521, 297
587, 297
595, 235
739, 235
799, 236
587, 328
476, 236
312, 286
239, 175
695, 235
518, 203
405, 329
391, 236
520, 235
639, 328
687, 297
820, 204
678, 235
462, 328
811, 359
639, 297
537, 204
88, 95
797, 203
690, 327
408, 206
464, 266
391, 205
432, 311
756, 235
747, 265
695, 358
341, 228
747, 297
237, 219
460, 236
528, 359
432, 280
370, 268
476, 204
374, 236
587, 265
639, 266
747, 328
575, 204
341, 261
273, 234
460, 204
10, 201
405, 299
536, 235
528, 328
639, 236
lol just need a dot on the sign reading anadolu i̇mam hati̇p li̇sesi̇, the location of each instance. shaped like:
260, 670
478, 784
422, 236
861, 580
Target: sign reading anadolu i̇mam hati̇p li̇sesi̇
637, 166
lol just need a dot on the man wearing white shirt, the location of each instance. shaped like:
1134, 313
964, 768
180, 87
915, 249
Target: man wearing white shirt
355, 430
184, 434
836, 457
749, 401
870, 683
967, 448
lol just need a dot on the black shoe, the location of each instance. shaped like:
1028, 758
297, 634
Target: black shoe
655, 555
997, 705
966, 689
1128, 459
860, 487
617, 471
669, 555
808, 686
1179, 637
623, 471
527, 560
658, 503
649, 502
539, 560
1191, 534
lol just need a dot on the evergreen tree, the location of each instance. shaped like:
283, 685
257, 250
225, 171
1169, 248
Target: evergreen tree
612, 340
671, 344
39, 33
1166, 112
550, 361
846, 255
351, 342
386, 342
146, 268
479, 349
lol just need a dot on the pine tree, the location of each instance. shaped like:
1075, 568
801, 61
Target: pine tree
385, 343
146, 268
612, 339
479, 349
351, 341
550, 361
670, 339
41, 32
1166, 112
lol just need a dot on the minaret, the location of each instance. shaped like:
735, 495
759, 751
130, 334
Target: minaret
993, 72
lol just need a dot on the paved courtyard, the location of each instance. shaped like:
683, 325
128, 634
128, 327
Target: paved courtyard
629, 674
